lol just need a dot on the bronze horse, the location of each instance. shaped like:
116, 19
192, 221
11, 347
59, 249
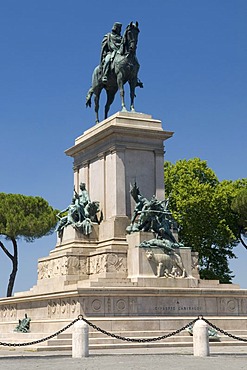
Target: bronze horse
124, 69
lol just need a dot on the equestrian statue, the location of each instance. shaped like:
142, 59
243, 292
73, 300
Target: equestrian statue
118, 65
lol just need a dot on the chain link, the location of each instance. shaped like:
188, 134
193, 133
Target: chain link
135, 339
41, 340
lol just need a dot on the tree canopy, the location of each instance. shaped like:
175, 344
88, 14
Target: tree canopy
25, 217
239, 206
207, 214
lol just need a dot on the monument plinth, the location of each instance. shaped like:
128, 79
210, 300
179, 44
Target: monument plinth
109, 157
116, 152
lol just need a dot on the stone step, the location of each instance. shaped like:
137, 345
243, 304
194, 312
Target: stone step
132, 327
106, 282
124, 345
106, 340
64, 341
116, 346
141, 334
95, 334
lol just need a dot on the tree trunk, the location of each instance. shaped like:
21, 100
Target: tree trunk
242, 241
14, 260
12, 276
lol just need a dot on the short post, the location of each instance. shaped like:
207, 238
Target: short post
200, 339
80, 346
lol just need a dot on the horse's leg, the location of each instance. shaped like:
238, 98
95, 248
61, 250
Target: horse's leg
95, 90
121, 90
132, 85
96, 106
110, 98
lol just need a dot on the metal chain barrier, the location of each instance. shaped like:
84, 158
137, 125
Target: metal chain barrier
223, 331
147, 340
40, 340
80, 317
135, 339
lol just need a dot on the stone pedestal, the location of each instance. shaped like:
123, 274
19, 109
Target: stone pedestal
145, 272
111, 156
138, 265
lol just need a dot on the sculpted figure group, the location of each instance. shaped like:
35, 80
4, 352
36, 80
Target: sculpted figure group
153, 216
80, 213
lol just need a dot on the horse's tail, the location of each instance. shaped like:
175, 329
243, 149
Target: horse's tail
139, 83
96, 82
88, 97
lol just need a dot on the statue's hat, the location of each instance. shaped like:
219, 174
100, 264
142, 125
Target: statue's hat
116, 24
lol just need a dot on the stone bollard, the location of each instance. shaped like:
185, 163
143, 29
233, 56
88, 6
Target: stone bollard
200, 339
80, 346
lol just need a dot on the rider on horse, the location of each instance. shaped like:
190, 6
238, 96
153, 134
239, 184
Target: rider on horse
110, 45
118, 65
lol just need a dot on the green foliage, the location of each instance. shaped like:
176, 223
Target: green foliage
239, 206
202, 206
25, 216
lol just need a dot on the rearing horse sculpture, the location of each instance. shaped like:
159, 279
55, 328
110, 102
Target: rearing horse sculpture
124, 69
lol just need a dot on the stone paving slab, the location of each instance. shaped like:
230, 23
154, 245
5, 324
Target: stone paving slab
135, 359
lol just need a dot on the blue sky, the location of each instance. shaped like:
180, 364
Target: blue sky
193, 65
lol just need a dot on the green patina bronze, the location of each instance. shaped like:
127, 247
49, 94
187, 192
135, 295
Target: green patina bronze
80, 213
153, 215
24, 325
212, 333
118, 65
162, 251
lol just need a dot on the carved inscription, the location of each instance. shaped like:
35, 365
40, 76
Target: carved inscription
177, 308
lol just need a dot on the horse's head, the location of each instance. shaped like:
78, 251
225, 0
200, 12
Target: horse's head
131, 37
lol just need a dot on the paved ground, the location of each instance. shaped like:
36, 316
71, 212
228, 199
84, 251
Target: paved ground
225, 358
